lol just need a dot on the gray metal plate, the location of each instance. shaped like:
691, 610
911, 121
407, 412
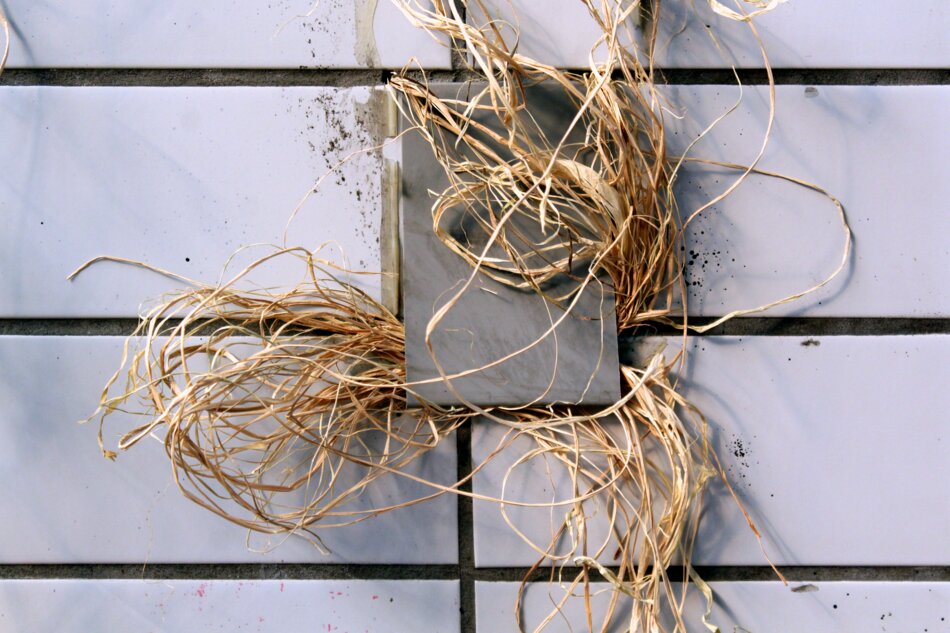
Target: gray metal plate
577, 363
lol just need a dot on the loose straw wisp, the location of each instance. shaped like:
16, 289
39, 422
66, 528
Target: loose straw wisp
279, 410
597, 193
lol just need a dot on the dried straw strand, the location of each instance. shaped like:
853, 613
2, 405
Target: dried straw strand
279, 410
268, 403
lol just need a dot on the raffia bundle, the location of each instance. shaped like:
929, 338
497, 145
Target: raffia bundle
279, 409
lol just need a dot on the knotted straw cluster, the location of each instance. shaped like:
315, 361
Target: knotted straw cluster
280, 410
598, 191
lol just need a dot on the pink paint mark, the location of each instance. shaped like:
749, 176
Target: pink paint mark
260, 618
282, 587
200, 591
375, 597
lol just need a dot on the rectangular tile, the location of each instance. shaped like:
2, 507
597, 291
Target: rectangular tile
740, 606
190, 179
810, 34
222, 34
180, 178
879, 150
491, 320
265, 606
73, 506
799, 34
770, 239
835, 445
560, 33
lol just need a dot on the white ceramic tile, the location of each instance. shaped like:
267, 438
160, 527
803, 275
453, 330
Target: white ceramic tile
810, 34
870, 147
67, 504
538, 480
880, 150
799, 34
217, 34
830, 607
187, 180
271, 606
559, 32
837, 446
179, 178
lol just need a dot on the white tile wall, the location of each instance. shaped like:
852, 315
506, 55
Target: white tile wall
811, 34
196, 173
272, 606
799, 34
217, 34
68, 504
836, 445
179, 178
560, 33
830, 607
880, 150
771, 238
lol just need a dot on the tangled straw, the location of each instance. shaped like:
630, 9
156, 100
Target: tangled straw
279, 410
595, 195
640, 466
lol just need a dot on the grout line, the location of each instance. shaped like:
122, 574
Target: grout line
225, 571
465, 572
461, 68
121, 327
809, 76
745, 326
804, 326
757, 574
829, 573
459, 71
466, 533
68, 327
206, 77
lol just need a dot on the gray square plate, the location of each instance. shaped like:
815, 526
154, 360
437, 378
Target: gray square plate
577, 363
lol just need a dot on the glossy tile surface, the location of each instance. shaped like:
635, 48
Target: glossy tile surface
269, 606
770, 238
799, 34
178, 178
74, 506
828, 607
216, 34
835, 445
